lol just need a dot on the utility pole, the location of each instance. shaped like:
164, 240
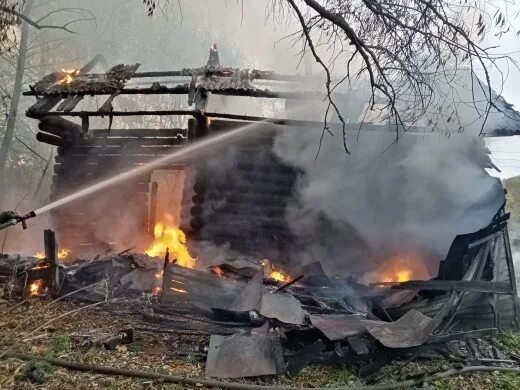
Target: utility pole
15, 98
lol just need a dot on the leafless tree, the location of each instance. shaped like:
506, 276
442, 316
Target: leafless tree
11, 15
404, 49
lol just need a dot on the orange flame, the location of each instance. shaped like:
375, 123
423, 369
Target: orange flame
401, 268
276, 275
171, 238
402, 275
63, 253
156, 291
69, 76
36, 288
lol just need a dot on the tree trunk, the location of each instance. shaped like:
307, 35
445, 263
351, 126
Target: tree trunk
11, 121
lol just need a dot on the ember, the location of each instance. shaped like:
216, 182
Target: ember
172, 238
69, 76
217, 271
41, 265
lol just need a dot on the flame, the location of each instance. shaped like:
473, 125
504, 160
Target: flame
36, 288
400, 269
156, 291
69, 76
178, 290
64, 253
172, 238
276, 275
208, 121
279, 276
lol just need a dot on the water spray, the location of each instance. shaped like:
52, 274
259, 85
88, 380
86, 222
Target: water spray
172, 157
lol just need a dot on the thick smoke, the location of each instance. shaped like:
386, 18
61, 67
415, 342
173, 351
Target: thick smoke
412, 196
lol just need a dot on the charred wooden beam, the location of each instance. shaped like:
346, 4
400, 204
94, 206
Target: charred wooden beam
224, 72
60, 127
236, 117
454, 285
180, 89
140, 133
51, 139
51, 255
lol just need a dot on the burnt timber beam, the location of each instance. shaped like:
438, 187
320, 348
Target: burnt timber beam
456, 285
274, 121
185, 89
236, 117
225, 72
51, 139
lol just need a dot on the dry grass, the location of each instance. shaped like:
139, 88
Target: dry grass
154, 352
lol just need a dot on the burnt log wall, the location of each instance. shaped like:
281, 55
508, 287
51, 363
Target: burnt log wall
240, 196
112, 215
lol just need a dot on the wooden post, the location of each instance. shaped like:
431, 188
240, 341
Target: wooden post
164, 284
51, 254
512, 276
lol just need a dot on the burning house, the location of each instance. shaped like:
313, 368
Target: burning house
235, 195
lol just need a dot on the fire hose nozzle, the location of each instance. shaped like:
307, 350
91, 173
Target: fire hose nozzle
25, 217
18, 219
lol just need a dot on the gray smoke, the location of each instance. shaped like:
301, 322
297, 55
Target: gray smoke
415, 195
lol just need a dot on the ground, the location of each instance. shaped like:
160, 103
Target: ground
23, 329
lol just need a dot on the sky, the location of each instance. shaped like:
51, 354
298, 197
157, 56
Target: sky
505, 154
505, 151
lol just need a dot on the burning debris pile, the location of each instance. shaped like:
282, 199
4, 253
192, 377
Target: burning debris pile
252, 317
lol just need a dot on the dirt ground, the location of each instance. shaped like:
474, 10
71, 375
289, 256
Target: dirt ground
63, 329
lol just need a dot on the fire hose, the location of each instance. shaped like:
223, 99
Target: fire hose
18, 219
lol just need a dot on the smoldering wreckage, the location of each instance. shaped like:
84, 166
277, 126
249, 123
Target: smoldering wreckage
250, 313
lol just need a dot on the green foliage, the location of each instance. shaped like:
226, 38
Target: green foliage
323, 376
507, 381
135, 347
512, 186
510, 341
60, 345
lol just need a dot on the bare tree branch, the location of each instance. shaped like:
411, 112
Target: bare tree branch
38, 26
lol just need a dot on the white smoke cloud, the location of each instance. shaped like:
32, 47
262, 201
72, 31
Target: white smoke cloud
413, 195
